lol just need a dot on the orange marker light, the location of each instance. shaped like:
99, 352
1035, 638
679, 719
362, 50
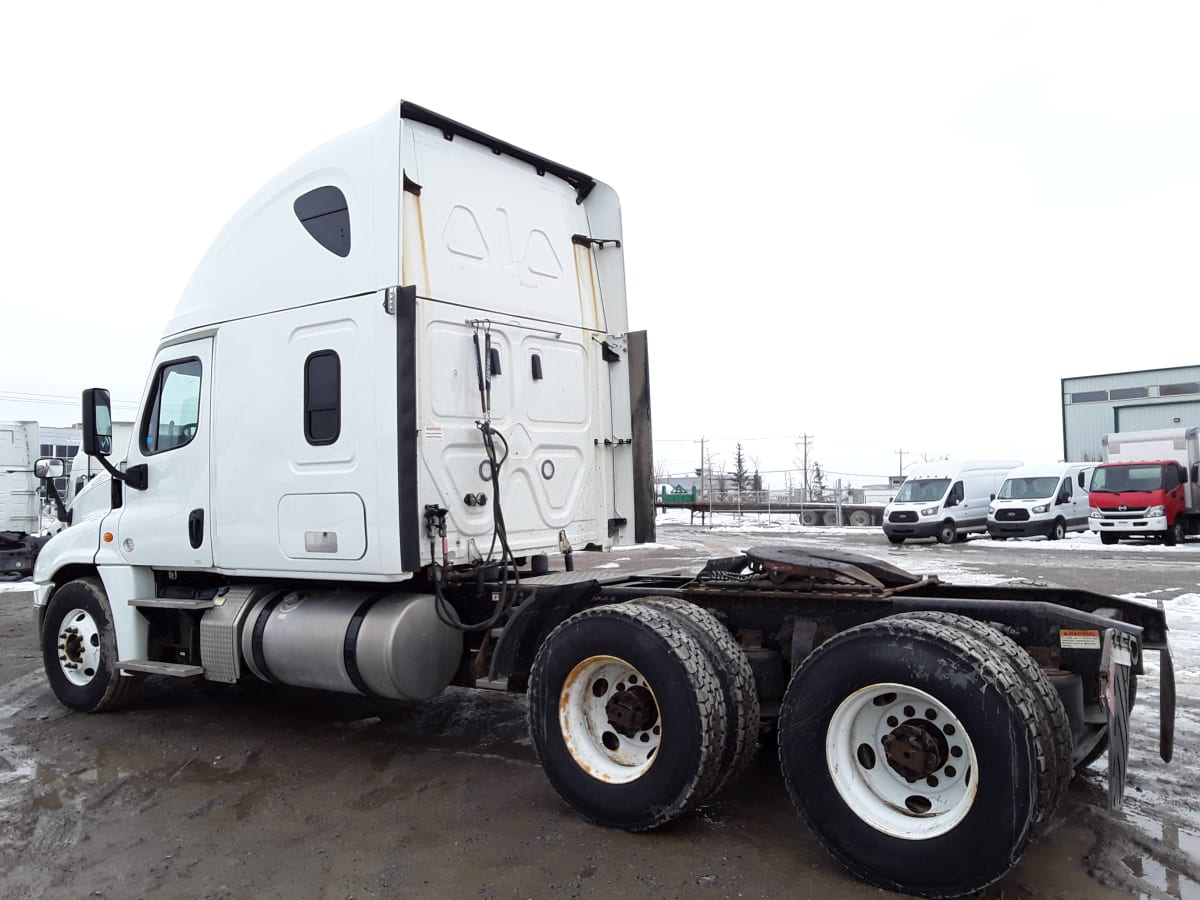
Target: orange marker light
108, 538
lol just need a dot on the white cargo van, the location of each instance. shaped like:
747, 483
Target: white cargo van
944, 499
1040, 500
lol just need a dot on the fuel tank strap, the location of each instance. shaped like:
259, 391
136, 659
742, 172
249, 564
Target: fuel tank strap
260, 625
350, 643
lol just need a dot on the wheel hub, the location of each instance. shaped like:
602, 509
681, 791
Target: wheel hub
79, 647
914, 750
632, 711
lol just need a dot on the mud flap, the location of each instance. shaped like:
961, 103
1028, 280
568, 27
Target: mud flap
1117, 662
1166, 704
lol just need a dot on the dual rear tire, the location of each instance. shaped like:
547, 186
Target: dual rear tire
919, 755
642, 711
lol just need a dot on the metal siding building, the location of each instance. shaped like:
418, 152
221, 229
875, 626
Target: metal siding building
1096, 405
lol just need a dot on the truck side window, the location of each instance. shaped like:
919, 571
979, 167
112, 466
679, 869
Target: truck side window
1172, 478
1065, 492
322, 397
956, 494
173, 416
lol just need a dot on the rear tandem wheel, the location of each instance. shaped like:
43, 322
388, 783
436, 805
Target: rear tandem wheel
910, 748
627, 716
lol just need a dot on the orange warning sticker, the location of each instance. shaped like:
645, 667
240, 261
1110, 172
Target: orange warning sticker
1079, 639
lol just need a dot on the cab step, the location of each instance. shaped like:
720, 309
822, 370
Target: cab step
170, 603
153, 667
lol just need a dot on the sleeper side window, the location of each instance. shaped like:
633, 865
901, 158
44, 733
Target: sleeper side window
322, 397
173, 415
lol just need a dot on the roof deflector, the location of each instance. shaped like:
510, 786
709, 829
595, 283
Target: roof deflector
450, 129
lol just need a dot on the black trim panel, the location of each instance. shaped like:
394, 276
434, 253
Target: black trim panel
406, 428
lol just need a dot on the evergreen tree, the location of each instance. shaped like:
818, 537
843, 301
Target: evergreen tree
741, 475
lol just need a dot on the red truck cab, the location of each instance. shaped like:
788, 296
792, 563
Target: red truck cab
1146, 498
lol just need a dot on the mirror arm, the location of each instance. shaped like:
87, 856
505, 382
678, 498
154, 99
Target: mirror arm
60, 507
134, 476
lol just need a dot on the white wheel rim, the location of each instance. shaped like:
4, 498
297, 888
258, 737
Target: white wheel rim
79, 647
883, 735
610, 719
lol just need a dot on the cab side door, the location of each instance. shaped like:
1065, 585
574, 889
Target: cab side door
167, 525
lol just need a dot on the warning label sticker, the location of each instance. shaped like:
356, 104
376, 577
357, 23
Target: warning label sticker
1079, 639
433, 432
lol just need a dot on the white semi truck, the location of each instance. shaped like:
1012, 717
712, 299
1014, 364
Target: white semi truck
20, 507
21, 474
400, 385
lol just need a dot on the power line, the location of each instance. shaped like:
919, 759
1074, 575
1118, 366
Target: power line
54, 399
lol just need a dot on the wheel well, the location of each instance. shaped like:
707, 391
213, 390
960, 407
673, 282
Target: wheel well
71, 572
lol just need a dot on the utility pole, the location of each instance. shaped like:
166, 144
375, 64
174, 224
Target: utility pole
700, 471
901, 453
805, 440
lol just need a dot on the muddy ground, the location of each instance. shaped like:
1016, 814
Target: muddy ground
268, 792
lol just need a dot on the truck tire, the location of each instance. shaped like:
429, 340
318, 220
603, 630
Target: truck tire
1107, 537
947, 533
738, 687
860, 518
810, 517
627, 716
830, 517
79, 650
1058, 530
1053, 726
1174, 535
910, 750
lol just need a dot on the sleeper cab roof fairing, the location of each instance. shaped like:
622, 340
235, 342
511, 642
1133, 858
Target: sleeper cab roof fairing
283, 248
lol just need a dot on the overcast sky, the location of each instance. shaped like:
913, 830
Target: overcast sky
883, 225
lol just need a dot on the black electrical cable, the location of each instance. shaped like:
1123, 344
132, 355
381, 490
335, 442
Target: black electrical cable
445, 610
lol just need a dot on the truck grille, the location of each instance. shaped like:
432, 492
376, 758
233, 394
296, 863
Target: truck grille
903, 516
1139, 513
1012, 515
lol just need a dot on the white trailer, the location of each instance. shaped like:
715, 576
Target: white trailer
400, 382
20, 506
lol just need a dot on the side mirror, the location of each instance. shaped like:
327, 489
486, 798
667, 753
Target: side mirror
49, 467
97, 422
991, 496
1195, 473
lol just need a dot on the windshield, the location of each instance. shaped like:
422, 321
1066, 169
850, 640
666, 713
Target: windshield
1028, 488
1117, 479
922, 490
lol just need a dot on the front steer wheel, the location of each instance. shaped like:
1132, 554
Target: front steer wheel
79, 650
627, 716
911, 751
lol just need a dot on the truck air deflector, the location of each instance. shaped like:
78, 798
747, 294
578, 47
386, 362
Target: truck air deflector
450, 129
406, 427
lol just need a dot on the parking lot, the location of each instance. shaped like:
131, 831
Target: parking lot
255, 792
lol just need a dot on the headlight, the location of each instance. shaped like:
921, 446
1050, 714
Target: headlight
930, 511
1155, 511
1094, 514
1045, 507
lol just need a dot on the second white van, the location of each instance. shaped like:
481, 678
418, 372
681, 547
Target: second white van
1040, 500
945, 500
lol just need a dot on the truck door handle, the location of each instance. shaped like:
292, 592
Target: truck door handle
196, 528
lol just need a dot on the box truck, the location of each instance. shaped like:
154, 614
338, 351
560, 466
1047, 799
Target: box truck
1044, 499
401, 393
945, 500
1147, 486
